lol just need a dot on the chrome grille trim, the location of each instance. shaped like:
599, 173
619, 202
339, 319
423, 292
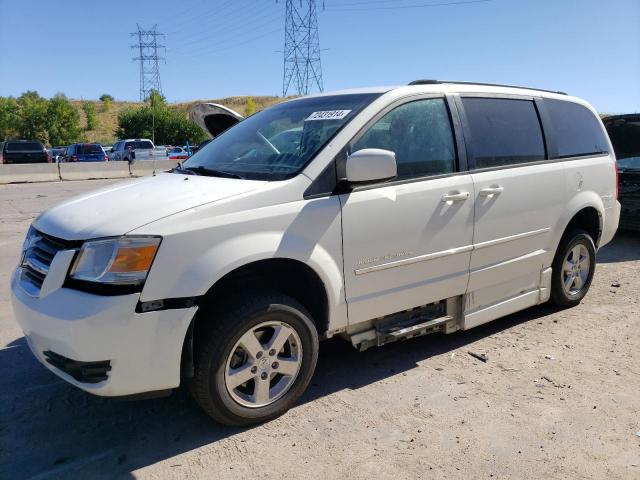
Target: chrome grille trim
37, 258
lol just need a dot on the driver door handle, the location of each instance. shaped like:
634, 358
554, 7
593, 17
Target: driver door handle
455, 197
491, 191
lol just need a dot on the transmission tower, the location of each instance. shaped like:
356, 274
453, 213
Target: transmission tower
301, 47
147, 50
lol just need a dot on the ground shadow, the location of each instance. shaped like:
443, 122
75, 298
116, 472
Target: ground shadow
49, 429
624, 247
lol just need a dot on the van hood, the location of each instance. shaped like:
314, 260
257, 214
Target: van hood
120, 208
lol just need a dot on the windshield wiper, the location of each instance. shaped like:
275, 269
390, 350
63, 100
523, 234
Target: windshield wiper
180, 169
209, 172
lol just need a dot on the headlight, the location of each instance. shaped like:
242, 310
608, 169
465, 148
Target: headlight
119, 261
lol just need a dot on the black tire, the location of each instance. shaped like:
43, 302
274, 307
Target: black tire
559, 295
224, 328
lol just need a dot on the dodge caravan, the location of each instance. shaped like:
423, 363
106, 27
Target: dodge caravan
389, 213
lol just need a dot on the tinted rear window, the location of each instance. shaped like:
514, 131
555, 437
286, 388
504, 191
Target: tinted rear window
577, 130
625, 136
136, 145
89, 149
23, 146
503, 131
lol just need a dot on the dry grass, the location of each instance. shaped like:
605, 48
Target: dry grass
108, 119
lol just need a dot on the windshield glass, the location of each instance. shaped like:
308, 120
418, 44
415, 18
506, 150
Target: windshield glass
625, 138
278, 142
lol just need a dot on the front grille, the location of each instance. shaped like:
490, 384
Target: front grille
40, 251
85, 372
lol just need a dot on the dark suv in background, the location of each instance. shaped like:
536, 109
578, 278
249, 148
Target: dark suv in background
624, 132
84, 152
23, 151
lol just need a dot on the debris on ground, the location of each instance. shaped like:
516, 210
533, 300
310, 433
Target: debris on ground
615, 284
549, 357
483, 357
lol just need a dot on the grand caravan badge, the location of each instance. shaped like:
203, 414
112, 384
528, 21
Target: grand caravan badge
328, 115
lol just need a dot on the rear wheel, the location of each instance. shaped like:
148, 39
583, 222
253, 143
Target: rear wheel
573, 268
256, 359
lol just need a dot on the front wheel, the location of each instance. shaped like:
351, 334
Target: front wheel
573, 268
256, 359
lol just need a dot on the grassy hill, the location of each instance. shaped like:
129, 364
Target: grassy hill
108, 119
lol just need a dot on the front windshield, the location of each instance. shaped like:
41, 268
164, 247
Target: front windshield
278, 142
625, 138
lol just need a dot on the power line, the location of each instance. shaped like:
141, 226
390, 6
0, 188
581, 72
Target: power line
302, 65
186, 26
147, 49
235, 44
229, 30
398, 7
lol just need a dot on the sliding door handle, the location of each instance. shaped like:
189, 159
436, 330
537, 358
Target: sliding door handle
491, 191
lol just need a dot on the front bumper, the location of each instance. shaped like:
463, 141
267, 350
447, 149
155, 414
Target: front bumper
144, 349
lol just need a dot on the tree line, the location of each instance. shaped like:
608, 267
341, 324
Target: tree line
156, 119
56, 121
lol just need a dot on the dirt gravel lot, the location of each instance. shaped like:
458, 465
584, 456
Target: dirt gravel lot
559, 398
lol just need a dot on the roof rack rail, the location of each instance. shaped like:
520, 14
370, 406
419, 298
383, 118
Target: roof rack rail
438, 82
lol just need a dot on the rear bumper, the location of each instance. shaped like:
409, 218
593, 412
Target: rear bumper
79, 335
611, 220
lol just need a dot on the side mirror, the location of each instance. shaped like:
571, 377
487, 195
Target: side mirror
371, 165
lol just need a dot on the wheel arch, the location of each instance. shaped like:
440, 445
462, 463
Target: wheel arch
588, 216
286, 275
289, 276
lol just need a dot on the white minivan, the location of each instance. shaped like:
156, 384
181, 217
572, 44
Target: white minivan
376, 215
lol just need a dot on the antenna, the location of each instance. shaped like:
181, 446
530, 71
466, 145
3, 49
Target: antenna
147, 49
302, 65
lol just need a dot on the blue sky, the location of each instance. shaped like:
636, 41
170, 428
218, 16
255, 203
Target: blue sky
218, 48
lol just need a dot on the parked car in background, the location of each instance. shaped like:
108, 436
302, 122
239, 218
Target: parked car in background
56, 153
136, 149
624, 132
431, 207
84, 152
166, 148
196, 148
23, 151
178, 153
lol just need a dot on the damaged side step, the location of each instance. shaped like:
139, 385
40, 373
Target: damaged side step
412, 330
386, 335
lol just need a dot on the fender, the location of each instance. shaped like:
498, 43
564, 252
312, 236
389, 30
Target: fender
307, 231
580, 201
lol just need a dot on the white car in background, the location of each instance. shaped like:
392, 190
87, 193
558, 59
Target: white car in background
136, 149
396, 212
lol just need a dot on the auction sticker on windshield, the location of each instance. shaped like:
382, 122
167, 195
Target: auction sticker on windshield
328, 115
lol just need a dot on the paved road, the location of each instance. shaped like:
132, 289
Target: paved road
419, 409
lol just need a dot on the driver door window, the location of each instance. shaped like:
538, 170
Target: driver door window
420, 135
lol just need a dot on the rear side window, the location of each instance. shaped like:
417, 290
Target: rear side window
138, 145
24, 146
89, 149
503, 131
420, 134
577, 130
